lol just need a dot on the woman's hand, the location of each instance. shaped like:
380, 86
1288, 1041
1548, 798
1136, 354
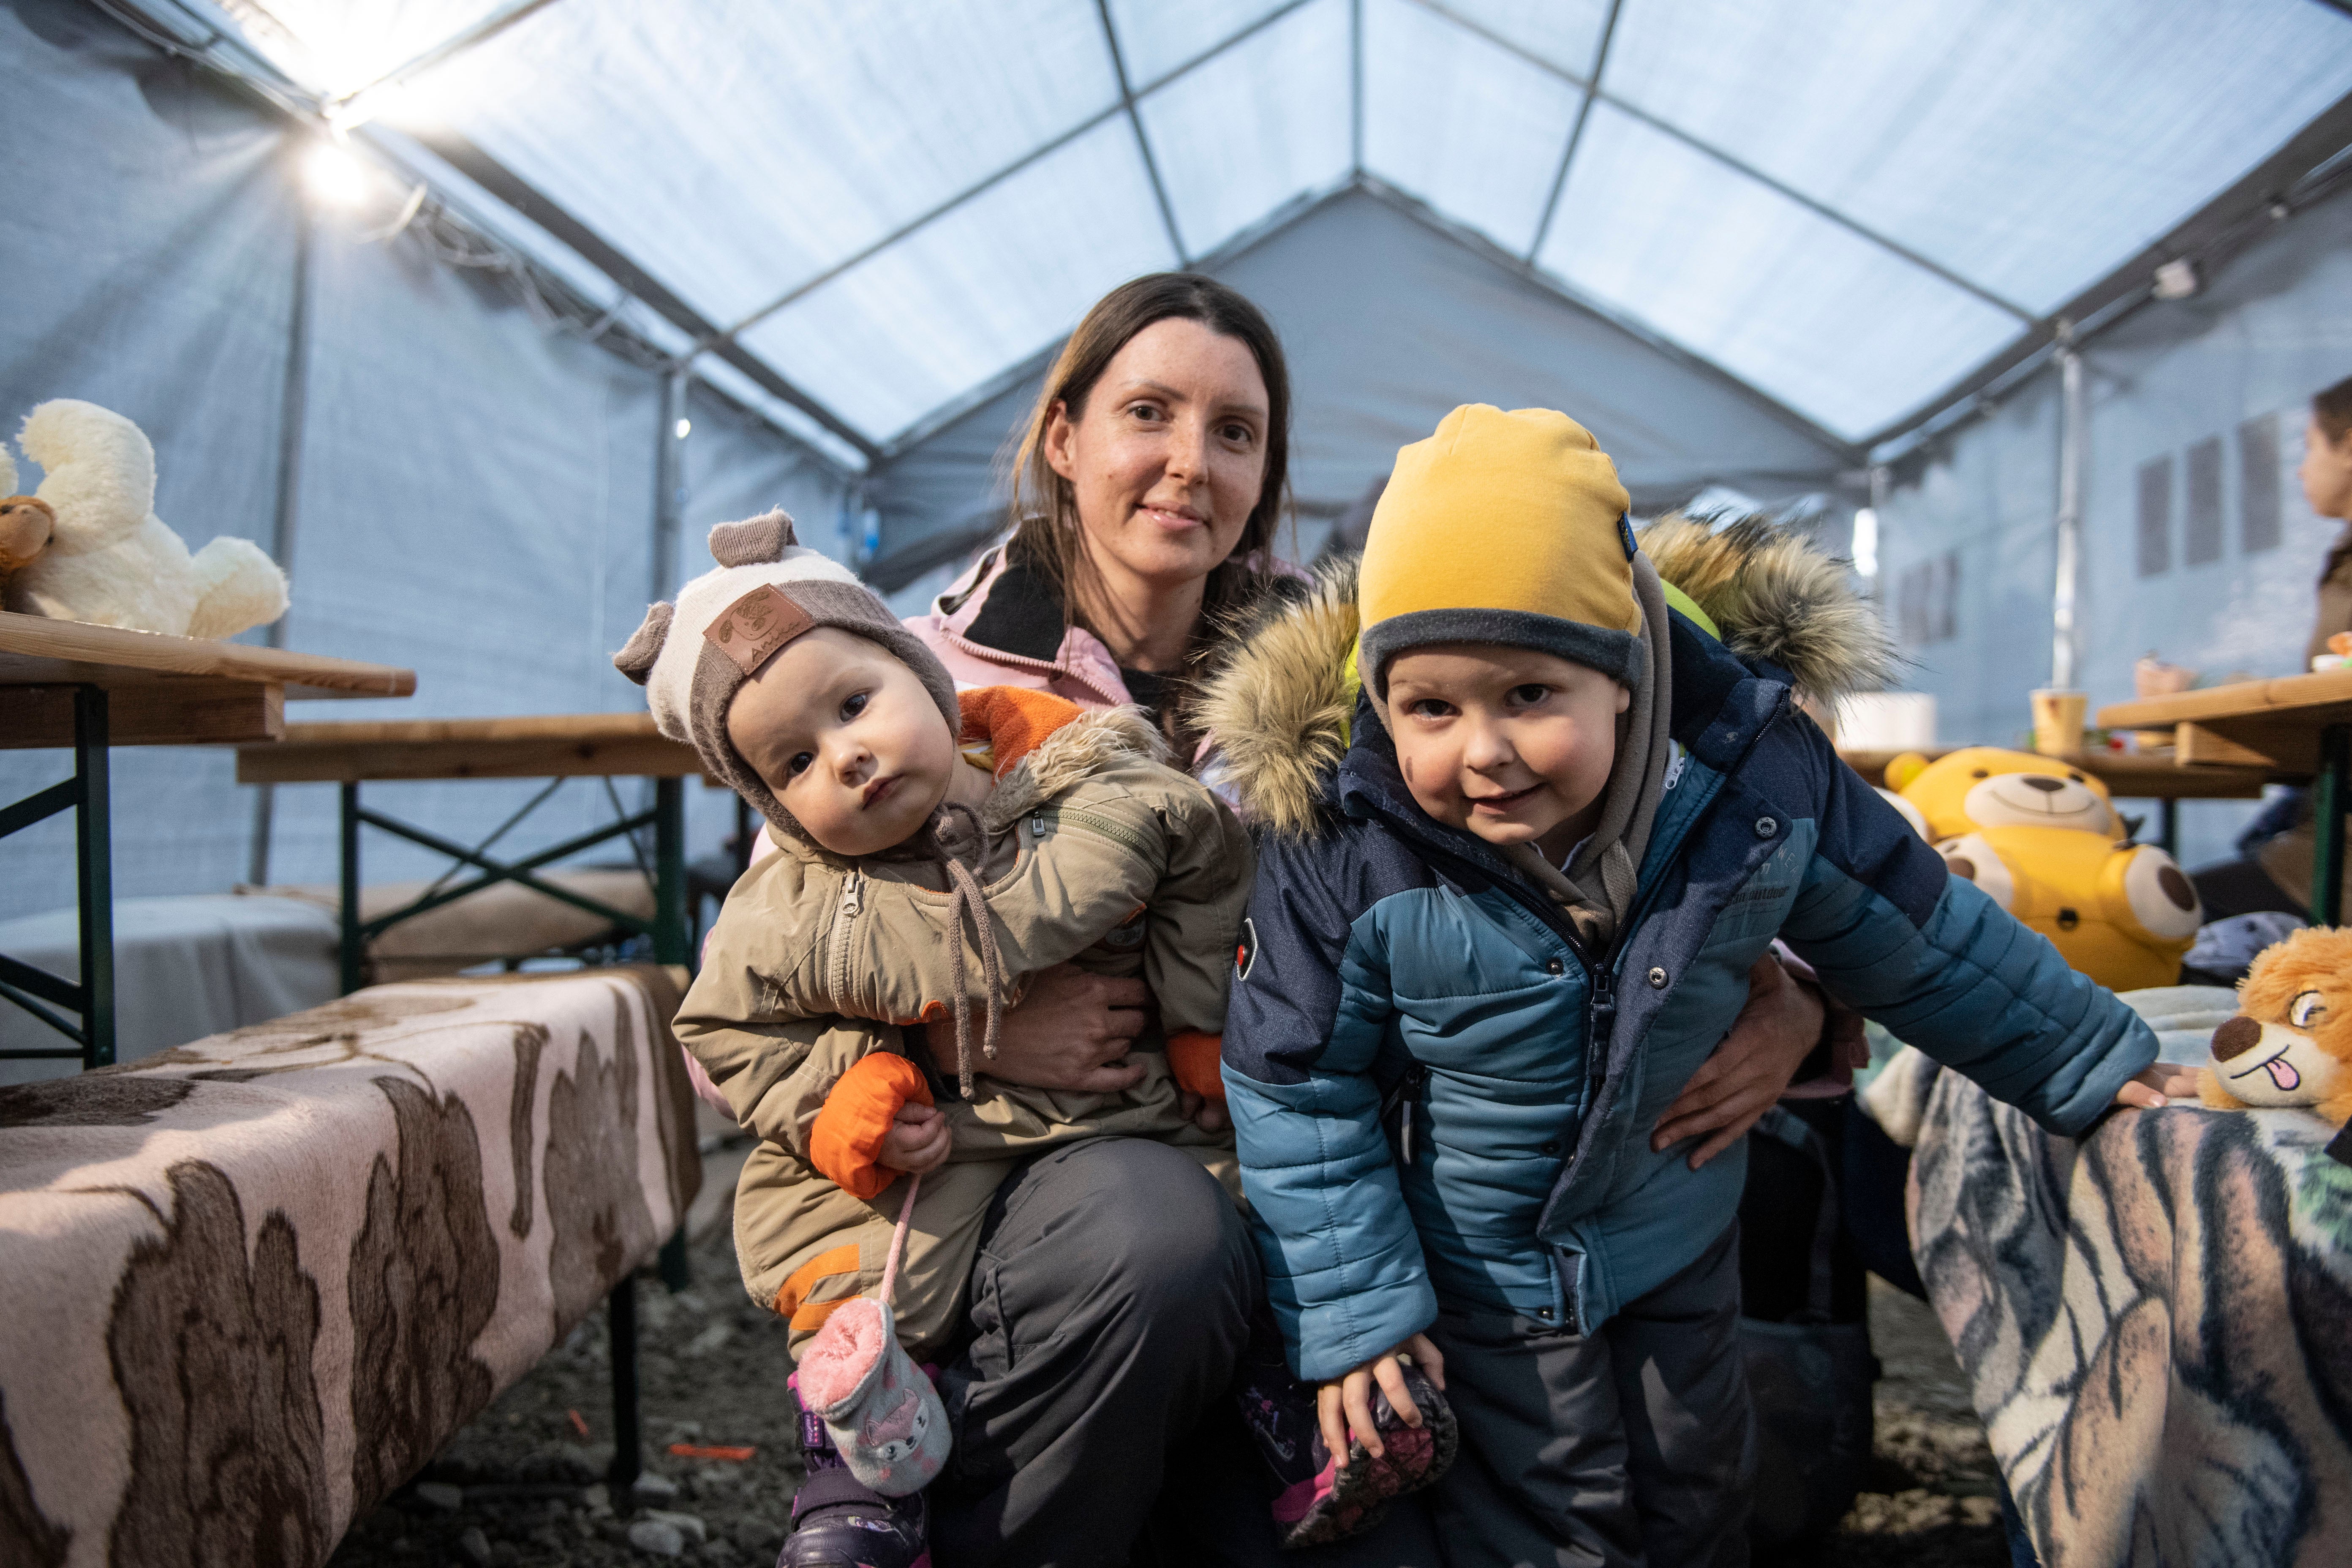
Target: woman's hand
917, 1141
1071, 1031
1768, 1041
2159, 1087
1344, 1404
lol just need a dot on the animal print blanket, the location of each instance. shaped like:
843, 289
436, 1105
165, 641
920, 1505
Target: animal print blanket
248, 1286
2157, 1320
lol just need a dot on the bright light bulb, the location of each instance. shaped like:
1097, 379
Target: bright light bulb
334, 176
685, 429
1865, 542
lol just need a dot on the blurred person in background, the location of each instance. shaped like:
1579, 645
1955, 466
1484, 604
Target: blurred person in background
2272, 870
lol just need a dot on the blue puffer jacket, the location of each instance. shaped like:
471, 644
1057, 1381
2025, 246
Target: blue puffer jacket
1439, 1096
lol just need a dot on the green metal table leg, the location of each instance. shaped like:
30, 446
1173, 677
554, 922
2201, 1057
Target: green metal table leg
352, 952
628, 1441
94, 863
671, 942
2335, 795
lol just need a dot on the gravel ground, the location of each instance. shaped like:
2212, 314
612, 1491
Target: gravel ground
1930, 1497
521, 1485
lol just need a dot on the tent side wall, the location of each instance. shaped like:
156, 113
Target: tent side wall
2196, 544
1388, 322
476, 492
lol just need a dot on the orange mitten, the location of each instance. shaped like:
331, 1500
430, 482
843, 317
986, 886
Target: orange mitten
1194, 1058
845, 1144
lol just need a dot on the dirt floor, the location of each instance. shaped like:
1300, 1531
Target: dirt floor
521, 1485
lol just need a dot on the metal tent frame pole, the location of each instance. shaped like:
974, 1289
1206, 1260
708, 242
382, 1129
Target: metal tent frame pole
2069, 541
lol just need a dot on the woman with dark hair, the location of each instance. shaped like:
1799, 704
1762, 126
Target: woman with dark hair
1091, 1399
2272, 868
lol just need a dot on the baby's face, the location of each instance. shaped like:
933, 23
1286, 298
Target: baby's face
1510, 744
847, 737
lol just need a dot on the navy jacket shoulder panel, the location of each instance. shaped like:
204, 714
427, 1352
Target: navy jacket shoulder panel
1794, 764
1304, 908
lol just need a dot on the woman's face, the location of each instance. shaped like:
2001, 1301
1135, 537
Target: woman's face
1168, 457
2327, 472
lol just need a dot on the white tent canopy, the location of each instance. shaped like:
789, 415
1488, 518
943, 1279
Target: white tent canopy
1850, 207
1774, 246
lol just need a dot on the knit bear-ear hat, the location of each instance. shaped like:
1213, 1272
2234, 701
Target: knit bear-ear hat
694, 656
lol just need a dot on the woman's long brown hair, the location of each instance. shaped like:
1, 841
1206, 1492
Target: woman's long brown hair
2332, 408
1048, 538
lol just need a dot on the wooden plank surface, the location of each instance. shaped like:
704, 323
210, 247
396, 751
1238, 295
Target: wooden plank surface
2325, 698
558, 745
192, 712
2127, 776
37, 651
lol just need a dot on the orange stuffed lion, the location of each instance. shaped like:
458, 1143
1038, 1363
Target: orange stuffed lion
2291, 1043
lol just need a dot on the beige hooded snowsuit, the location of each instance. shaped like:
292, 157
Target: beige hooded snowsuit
1095, 853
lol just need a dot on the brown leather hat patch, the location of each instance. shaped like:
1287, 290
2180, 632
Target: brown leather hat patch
756, 625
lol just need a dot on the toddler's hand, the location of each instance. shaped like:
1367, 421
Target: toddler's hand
2159, 1087
916, 1142
1344, 1404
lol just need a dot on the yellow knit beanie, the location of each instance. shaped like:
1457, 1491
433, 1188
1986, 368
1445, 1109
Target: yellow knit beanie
1502, 528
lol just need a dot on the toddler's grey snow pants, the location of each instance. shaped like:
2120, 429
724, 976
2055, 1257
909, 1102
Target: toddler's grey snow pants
1633, 1446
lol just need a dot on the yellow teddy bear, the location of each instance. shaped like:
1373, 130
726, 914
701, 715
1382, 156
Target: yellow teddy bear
2043, 840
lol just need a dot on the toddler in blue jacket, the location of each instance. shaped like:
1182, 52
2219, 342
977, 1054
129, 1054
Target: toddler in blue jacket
1507, 899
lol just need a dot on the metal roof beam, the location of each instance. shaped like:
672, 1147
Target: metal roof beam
1355, 88
339, 107
2277, 188
1520, 267
526, 199
1142, 142
1819, 208
810, 285
1576, 132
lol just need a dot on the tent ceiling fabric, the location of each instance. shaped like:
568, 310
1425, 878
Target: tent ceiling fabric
1849, 205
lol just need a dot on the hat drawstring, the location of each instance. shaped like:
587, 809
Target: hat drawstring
966, 898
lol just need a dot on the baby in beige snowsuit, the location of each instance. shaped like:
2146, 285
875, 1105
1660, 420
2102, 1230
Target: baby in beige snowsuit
936, 853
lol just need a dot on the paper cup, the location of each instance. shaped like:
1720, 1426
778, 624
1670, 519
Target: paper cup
2058, 721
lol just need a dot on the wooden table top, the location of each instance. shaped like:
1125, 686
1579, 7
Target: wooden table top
2127, 776
163, 690
549, 745
2270, 723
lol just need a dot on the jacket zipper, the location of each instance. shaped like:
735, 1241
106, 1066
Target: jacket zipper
1401, 1097
837, 979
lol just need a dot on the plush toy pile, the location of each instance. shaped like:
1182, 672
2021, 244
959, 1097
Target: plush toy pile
2043, 839
89, 546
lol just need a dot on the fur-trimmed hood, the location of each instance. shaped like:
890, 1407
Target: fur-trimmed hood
1280, 704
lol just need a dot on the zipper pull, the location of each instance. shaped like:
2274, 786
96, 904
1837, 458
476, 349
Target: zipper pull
1037, 823
1404, 1134
849, 896
1602, 1020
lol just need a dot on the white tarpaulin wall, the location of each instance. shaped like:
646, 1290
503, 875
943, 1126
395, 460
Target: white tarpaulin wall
2196, 544
475, 495
1386, 323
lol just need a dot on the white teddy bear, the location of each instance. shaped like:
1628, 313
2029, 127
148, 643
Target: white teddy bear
110, 559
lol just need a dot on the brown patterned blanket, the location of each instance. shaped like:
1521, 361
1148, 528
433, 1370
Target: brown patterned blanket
250, 1285
2157, 1320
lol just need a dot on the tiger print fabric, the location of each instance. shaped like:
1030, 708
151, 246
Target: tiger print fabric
248, 1286
2157, 1322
